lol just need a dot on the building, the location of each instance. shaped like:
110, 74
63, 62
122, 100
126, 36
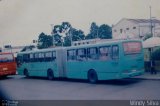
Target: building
157, 31
14, 50
135, 28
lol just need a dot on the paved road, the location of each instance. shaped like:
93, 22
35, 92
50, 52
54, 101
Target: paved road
21, 88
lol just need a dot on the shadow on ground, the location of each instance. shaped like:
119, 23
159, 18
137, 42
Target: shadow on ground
118, 82
5, 78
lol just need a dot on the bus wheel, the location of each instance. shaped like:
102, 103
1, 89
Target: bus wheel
50, 74
26, 73
92, 77
4, 76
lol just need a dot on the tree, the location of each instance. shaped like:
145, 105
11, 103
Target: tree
73, 35
93, 31
57, 29
60, 32
57, 40
66, 25
105, 32
88, 36
77, 34
81, 34
65, 32
67, 41
44, 41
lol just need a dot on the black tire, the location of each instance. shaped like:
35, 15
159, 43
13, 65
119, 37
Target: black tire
92, 77
50, 74
5, 76
26, 73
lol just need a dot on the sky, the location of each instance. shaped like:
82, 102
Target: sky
21, 21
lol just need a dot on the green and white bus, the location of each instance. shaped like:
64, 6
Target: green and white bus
42, 63
115, 59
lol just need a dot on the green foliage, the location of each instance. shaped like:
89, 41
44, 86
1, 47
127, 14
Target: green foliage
93, 31
66, 29
57, 29
66, 25
57, 40
103, 31
44, 41
77, 34
67, 41
156, 54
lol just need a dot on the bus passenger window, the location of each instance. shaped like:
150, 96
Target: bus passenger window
115, 52
48, 56
19, 60
104, 53
41, 57
92, 53
54, 56
81, 55
36, 59
71, 55
26, 58
32, 57
6, 58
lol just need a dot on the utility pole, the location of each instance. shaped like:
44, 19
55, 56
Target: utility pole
70, 34
151, 20
52, 35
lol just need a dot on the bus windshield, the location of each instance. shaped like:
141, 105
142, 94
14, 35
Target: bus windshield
132, 47
6, 58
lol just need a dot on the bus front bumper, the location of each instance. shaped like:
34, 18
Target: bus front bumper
4, 73
132, 73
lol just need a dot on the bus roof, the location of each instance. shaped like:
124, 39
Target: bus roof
41, 50
110, 41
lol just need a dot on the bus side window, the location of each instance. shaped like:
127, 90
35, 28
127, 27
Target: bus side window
92, 53
26, 58
115, 52
105, 53
32, 57
36, 59
19, 60
41, 57
81, 55
71, 55
48, 56
54, 56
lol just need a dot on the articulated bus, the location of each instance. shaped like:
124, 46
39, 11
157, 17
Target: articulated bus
7, 64
114, 59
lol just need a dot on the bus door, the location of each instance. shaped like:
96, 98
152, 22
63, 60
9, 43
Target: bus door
38, 65
133, 55
115, 58
61, 61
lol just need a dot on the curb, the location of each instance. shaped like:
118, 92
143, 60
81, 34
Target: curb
148, 78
